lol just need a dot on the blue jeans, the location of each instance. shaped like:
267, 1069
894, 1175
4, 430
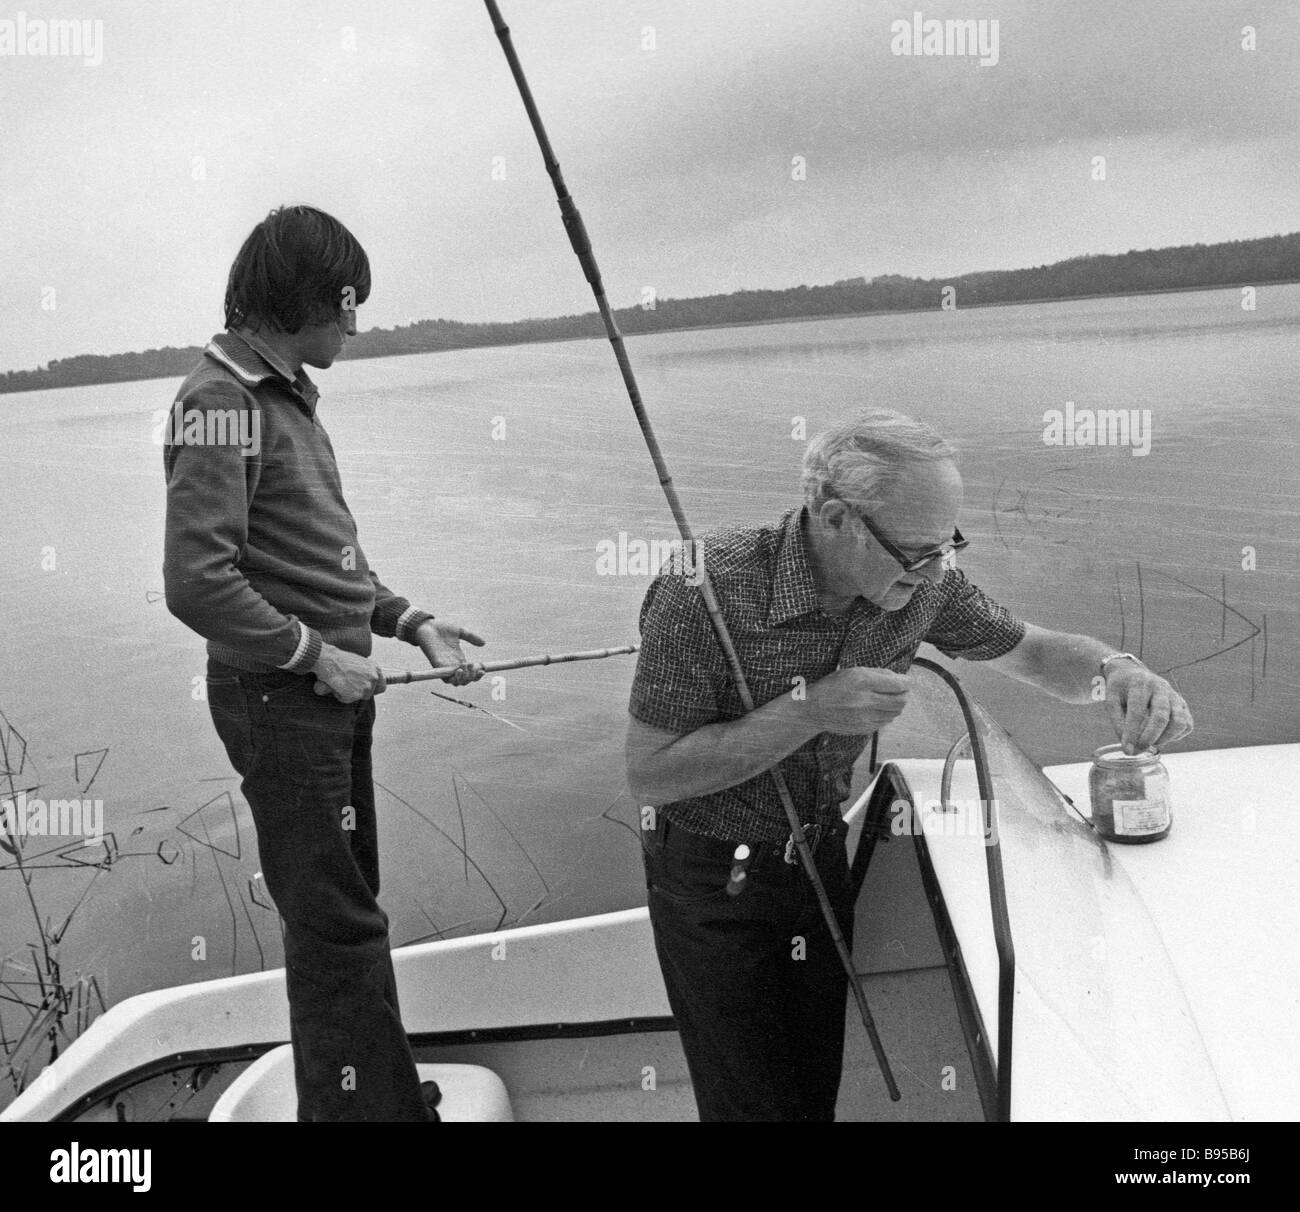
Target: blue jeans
305, 763
754, 980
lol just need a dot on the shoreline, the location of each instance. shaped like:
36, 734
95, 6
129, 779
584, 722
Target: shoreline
804, 319
912, 311
851, 315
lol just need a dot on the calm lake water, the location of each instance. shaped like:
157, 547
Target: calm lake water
485, 823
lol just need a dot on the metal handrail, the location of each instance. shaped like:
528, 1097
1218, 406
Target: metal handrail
945, 782
997, 890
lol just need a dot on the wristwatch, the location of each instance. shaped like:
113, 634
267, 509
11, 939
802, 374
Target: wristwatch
1116, 656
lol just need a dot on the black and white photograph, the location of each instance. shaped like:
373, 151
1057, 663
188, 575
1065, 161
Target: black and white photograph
650, 561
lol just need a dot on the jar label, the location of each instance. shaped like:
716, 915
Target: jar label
1134, 818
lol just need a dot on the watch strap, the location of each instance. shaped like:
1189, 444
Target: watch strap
1116, 656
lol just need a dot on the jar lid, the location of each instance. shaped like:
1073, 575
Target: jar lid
1115, 753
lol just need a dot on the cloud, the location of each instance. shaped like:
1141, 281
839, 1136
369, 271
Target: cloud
1088, 73
676, 122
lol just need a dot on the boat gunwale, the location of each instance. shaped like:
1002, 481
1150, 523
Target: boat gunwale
230, 1054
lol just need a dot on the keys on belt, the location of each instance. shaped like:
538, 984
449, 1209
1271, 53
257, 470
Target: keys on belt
744, 855
812, 834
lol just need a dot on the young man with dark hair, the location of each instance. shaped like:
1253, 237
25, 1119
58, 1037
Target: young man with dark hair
262, 560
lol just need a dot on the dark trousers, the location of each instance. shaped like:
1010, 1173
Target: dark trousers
754, 980
305, 762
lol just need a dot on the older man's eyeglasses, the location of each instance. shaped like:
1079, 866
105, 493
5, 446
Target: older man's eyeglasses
909, 562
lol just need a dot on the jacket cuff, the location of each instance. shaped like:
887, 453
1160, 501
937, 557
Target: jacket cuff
307, 653
387, 613
410, 623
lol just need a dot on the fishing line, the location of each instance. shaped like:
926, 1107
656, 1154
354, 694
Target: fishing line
475, 707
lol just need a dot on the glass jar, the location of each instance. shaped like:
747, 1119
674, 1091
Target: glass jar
1130, 795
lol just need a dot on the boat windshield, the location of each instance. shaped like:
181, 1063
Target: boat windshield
1098, 1016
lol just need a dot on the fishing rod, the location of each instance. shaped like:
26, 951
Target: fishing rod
559, 658
587, 258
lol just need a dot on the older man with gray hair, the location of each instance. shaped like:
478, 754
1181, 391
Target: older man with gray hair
826, 608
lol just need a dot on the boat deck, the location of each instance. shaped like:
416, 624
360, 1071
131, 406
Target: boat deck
907, 987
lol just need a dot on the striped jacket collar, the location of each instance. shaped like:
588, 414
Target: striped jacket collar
252, 361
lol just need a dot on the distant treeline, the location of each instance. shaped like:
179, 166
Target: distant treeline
1190, 266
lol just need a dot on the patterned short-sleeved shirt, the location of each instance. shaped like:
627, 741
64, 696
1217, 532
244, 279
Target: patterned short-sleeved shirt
769, 600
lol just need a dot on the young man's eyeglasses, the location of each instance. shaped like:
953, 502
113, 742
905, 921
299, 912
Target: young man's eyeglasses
910, 563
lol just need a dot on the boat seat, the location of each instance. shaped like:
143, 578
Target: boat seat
265, 1093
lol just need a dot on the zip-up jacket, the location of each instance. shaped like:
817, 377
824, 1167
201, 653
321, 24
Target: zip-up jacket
261, 556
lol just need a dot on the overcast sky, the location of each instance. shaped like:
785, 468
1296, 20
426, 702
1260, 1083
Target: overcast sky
128, 186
